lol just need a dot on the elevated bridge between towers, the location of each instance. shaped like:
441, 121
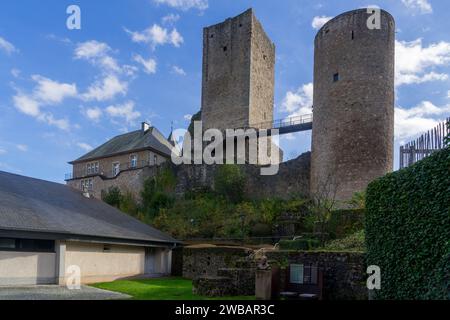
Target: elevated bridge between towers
288, 125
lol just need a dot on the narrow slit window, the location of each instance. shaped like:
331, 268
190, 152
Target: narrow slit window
336, 77
225, 48
353, 35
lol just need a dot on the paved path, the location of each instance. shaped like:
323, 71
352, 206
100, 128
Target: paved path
58, 293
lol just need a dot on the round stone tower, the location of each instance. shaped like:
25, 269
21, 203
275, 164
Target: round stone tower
353, 127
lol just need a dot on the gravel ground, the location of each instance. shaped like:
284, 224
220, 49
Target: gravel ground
58, 293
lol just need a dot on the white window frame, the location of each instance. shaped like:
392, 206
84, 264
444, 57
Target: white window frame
92, 167
115, 174
87, 184
133, 161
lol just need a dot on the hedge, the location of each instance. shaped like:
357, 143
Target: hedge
408, 230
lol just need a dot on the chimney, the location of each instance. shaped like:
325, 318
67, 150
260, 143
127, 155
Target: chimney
145, 126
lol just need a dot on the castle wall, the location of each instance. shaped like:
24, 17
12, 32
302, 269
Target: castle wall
353, 128
293, 178
238, 74
262, 78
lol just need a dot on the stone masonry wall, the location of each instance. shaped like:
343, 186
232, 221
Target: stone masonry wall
353, 129
127, 181
344, 273
292, 179
207, 261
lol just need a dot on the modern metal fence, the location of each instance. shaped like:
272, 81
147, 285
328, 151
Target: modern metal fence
420, 148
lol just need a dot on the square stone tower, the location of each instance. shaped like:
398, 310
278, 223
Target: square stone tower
238, 74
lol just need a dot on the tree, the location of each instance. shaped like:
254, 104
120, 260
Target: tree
157, 192
112, 197
229, 182
322, 204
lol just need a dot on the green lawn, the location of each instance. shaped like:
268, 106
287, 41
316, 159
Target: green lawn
159, 289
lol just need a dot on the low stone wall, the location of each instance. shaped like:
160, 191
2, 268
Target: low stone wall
208, 261
344, 272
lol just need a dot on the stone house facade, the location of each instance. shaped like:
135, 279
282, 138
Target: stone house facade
124, 161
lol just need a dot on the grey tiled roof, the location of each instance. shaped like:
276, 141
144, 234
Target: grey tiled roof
128, 142
28, 204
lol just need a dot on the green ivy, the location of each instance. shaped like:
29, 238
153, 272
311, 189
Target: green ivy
408, 229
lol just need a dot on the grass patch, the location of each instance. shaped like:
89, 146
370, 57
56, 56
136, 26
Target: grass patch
160, 289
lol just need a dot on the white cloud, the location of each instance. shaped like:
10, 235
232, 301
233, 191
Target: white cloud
62, 124
2, 151
125, 111
91, 49
15, 73
52, 92
149, 64
156, 36
86, 147
414, 62
422, 6
7, 47
188, 117
93, 114
26, 105
22, 147
299, 102
97, 54
421, 118
106, 89
170, 19
178, 70
319, 21
185, 4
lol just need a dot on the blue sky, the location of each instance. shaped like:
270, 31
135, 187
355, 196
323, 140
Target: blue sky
64, 91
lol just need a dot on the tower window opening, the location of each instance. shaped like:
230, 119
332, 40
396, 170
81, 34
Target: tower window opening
240, 25
225, 48
353, 35
212, 36
336, 77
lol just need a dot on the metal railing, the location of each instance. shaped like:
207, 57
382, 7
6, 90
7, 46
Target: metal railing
286, 122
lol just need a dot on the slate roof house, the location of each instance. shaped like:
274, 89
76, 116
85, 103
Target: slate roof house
124, 161
47, 227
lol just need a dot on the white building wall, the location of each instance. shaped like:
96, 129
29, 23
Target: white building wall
27, 268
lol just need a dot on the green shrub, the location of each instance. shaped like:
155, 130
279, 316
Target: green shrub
353, 242
343, 223
229, 182
408, 229
157, 192
112, 197
299, 244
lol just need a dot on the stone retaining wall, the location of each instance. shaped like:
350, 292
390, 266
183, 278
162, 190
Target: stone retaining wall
344, 273
207, 261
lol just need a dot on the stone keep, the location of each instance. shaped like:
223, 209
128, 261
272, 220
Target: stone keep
238, 74
353, 127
